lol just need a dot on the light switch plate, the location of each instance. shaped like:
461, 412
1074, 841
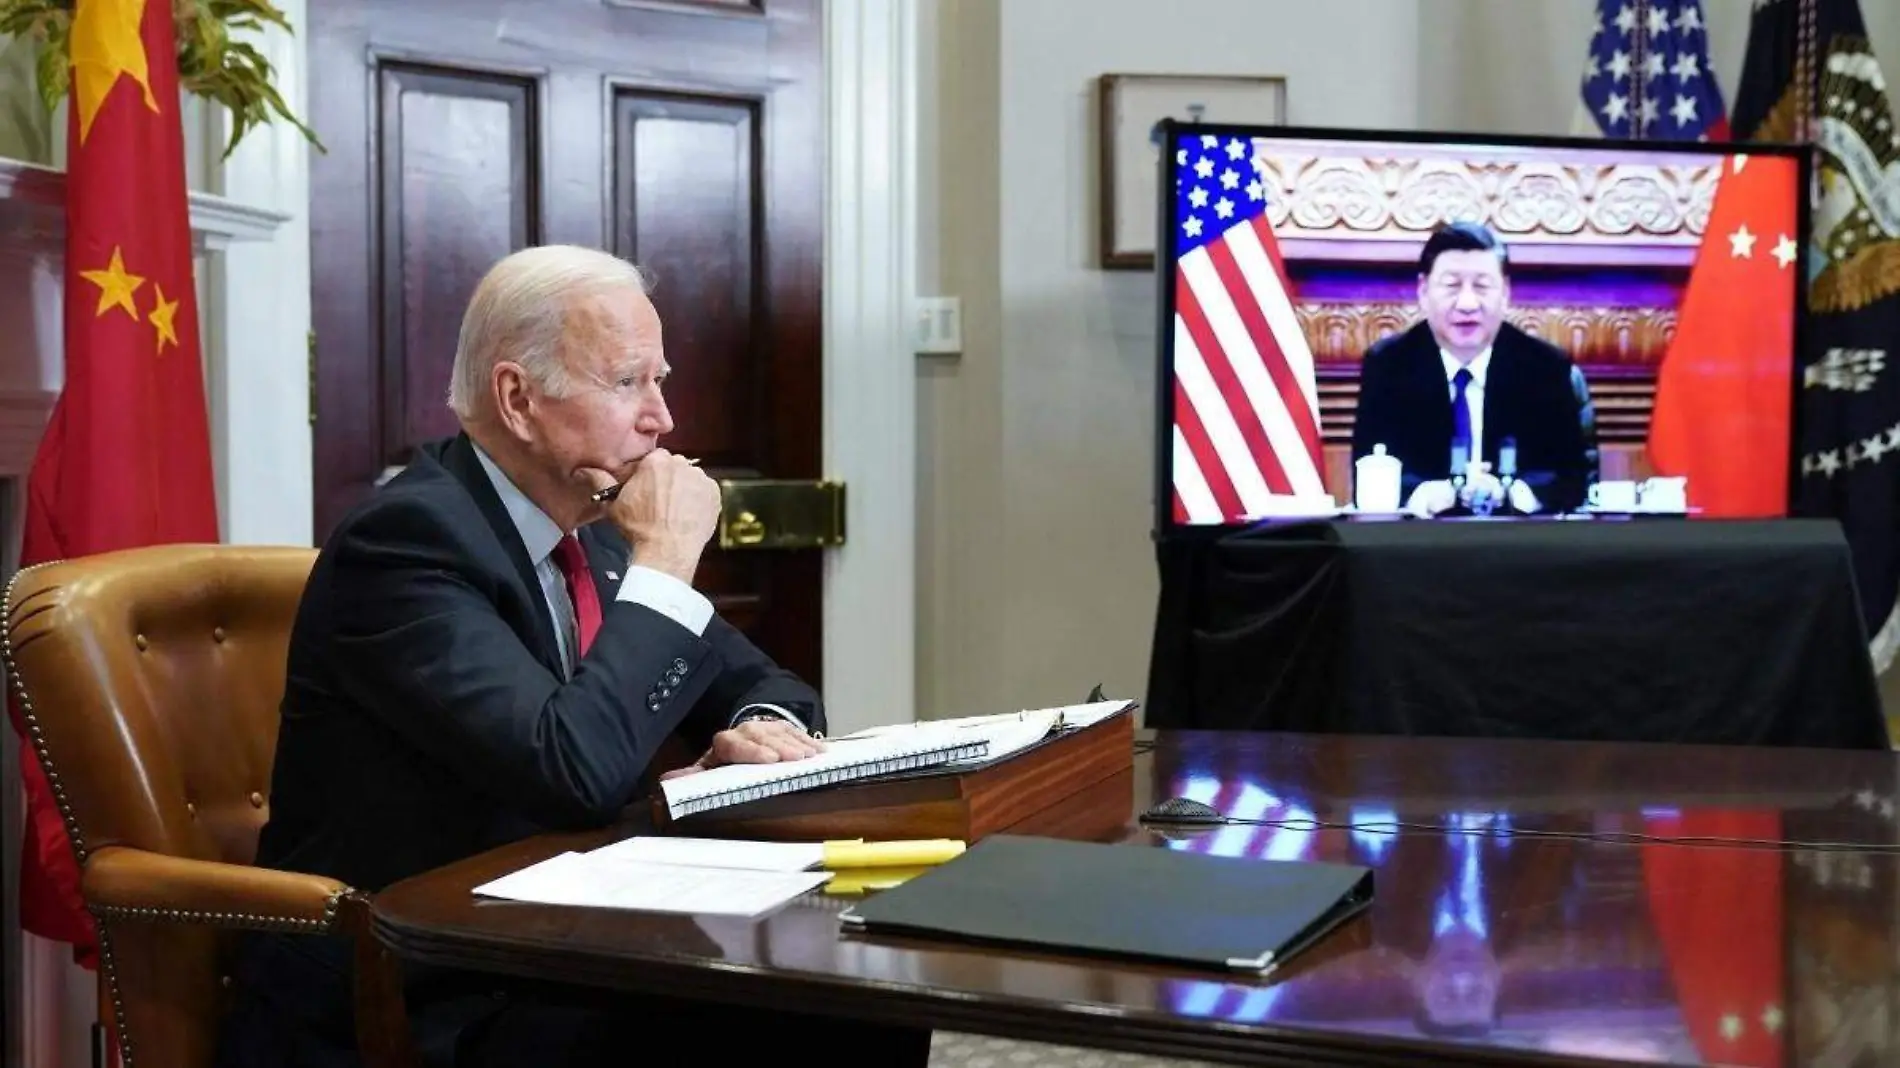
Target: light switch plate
939, 325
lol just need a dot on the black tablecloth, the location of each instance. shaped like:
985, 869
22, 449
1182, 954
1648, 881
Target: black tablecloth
1642, 630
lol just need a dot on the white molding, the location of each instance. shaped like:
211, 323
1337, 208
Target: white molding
870, 374
257, 315
23, 416
216, 222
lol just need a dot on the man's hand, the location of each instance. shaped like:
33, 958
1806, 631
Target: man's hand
1430, 498
668, 511
756, 741
1524, 499
1481, 486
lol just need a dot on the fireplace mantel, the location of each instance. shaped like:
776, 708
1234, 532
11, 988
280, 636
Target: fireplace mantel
216, 222
32, 246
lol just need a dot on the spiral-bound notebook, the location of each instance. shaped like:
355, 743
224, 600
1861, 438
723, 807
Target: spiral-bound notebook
844, 761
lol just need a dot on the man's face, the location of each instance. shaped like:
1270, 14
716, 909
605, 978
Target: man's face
615, 413
1463, 299
1460, 981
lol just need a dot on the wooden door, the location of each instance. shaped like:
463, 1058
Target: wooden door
684, 135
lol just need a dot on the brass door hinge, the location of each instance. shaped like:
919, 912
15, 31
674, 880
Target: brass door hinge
313, 377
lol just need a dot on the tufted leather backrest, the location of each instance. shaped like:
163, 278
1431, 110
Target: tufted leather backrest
152, 678
155, 675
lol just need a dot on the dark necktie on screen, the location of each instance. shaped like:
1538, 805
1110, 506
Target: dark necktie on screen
1461, 417
572, 560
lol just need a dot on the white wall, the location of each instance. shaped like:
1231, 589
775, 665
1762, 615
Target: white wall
1038, 576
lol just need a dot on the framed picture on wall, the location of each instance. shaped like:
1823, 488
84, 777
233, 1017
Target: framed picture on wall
1131, 108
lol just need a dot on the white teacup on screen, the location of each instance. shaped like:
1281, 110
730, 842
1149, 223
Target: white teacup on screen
1666, 494
1376, 481
1618, 495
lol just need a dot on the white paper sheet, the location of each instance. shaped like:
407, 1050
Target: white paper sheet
589, 881
1085, 715
716, 853
1090, 714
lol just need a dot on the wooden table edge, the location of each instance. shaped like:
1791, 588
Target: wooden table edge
1070, 1023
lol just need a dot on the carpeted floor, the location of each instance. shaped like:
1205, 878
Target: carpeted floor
949, 1050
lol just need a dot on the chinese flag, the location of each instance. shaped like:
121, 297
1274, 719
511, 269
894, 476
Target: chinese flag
1718, 913
1724, 393
126, 459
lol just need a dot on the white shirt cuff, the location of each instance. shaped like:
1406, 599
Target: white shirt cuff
774, 709
1524, 499
668, 596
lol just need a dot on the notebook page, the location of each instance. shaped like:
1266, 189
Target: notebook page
839, 753
1010, 735
907, 728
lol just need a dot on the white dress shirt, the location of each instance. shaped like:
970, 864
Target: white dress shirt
657, 590
1523, 498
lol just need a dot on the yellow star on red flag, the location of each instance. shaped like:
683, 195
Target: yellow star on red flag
116, 286
162, 312
106, 44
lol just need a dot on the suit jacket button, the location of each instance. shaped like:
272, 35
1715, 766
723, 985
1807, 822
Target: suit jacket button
653, 703
679, 665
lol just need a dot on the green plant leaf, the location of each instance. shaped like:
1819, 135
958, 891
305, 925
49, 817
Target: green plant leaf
211, 64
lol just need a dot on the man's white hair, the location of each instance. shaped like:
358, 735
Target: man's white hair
519, 313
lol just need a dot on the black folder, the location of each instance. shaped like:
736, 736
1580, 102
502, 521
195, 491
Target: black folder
1225, 913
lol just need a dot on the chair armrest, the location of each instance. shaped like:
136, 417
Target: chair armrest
124, 883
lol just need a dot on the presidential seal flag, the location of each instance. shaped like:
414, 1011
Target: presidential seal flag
126, 458
1810, 74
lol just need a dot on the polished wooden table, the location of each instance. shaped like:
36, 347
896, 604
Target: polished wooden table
1536, 903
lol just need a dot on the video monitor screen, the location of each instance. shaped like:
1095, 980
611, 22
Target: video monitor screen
1435, 326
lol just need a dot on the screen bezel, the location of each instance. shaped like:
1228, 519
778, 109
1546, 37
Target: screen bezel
1173, 131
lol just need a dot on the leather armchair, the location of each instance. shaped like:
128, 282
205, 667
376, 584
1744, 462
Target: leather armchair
150, 680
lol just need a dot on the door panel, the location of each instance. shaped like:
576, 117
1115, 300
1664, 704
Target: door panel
688, 208
683, 135
454, 150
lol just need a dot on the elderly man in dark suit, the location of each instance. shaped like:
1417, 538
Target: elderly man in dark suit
1465, 382
485, 652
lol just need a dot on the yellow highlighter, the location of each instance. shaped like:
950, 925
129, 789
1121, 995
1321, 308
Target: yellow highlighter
861, 880
858, 853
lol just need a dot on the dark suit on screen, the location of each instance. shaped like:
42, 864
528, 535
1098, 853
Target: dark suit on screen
428, 717
1533, 393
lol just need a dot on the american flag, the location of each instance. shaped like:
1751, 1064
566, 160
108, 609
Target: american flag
1647, 75
1246, 406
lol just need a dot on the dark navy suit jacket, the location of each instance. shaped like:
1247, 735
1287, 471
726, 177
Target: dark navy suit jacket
426, 719
1533, 394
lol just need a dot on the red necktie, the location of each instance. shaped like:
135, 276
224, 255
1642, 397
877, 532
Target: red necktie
572, 560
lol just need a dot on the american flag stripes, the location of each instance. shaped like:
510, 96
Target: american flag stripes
1246, 404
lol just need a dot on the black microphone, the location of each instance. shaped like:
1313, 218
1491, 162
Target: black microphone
1507, 470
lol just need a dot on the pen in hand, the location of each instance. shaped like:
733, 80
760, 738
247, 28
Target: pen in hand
602, 496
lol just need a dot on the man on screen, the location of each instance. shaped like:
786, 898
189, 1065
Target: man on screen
1465, 382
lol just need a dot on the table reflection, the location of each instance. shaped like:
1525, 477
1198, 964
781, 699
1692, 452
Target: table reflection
1518, 906
1487, 927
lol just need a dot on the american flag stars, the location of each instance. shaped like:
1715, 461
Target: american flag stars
1219, 186
1647, 73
